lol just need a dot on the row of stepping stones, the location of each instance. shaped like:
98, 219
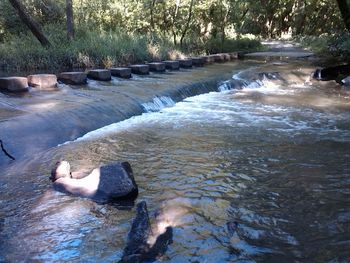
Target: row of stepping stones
49, 81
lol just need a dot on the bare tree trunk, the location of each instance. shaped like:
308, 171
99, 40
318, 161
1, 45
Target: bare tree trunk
345, 12
173, 27
70, 20
187, 24
152, 13
30, 23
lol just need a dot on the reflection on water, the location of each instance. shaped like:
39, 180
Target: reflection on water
272, 158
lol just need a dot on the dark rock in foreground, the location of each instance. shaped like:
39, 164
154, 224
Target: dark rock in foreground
172, 64
106, 183
43, 81
73, 78
140, 69
124, 73
137, 249
14, 84
100, 74
156, 66
185, 63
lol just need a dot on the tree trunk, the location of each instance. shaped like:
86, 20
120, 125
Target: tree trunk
30, 23
187, 24
70, 20
152, 13
345, 12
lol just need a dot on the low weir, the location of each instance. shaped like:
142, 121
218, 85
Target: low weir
41, 119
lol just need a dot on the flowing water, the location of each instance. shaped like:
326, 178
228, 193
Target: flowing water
274, 158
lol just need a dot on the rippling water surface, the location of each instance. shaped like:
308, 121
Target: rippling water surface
274, 159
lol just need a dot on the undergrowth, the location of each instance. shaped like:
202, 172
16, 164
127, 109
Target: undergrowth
92, 48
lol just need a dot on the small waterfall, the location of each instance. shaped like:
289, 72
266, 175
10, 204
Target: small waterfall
158, 103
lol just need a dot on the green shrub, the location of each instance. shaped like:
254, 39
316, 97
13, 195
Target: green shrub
231, 45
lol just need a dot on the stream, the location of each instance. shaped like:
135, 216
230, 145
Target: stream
271, 156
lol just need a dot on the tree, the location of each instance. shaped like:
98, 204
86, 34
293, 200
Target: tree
345, 12
70, 20
30, 23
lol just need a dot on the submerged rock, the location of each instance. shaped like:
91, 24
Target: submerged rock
14, 84
107, 183
43, 81
137, 248
73, 78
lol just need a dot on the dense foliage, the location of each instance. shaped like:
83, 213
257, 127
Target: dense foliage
159, 27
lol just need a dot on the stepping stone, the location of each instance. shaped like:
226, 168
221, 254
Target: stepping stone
73, 78
43, 81
185, 63
198, 61
208, 59
121, 72
218, 58
140, 69
100, 74
172, 64
227, 57
14, 84
234, 55
156, 66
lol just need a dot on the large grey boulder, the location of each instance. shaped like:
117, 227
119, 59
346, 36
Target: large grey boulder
73, 78
100, 74
137, 248
124, 73
156, 66
172, 64
140, 69
104, 184
43, 81
14, 84
185, 63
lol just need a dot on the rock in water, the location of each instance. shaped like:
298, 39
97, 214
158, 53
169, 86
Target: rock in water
136, 244
43, 81
346, 81
106, 183
14, 84
137, 248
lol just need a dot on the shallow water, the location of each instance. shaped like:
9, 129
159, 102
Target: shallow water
273, 158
